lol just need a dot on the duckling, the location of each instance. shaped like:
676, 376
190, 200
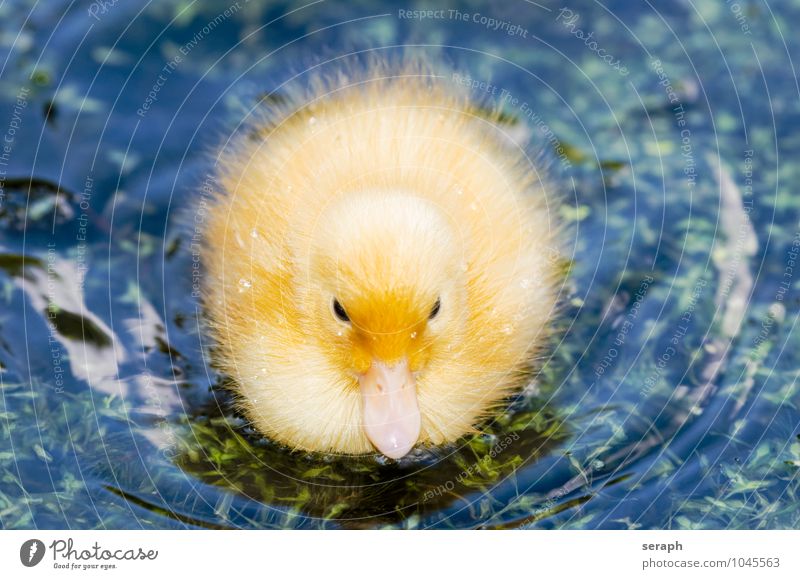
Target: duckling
381, 264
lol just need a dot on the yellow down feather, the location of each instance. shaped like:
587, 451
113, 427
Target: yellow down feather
387, 191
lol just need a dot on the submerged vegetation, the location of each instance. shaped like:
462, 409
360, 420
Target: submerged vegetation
669, 399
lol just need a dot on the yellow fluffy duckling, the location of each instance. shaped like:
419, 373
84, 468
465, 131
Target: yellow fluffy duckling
381, 265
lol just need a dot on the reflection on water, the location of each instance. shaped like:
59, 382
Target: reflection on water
365, 491
669, 398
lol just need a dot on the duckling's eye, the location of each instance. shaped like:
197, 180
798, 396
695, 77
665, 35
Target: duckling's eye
339, 311
435, 310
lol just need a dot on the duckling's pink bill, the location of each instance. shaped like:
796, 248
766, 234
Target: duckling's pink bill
391, 412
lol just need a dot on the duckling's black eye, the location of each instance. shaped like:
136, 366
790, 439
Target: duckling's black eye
435, 310
339, 311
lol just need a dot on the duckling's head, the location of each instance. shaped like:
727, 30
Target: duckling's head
386, 285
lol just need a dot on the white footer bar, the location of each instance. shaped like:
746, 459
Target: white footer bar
400, 554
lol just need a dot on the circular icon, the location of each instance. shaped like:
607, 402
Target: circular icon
31, 553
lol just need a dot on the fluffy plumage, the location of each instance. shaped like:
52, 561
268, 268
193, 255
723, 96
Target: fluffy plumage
387, 192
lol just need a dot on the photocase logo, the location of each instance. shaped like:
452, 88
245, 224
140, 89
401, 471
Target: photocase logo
31, 553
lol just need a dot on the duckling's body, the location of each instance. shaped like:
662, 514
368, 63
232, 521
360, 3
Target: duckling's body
381, 267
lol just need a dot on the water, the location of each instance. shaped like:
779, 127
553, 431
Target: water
669, 398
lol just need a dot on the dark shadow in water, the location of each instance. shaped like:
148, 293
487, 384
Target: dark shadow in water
29, 198
76, 327
363, 491
14, 264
